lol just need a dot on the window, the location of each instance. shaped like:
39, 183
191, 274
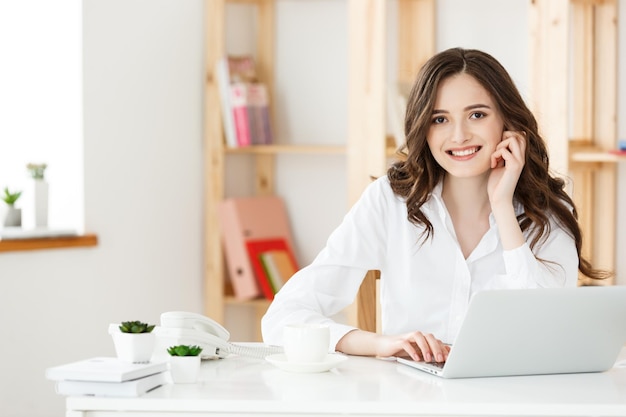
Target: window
41, 100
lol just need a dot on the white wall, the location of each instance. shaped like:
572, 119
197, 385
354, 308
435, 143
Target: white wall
143, 174
143, 66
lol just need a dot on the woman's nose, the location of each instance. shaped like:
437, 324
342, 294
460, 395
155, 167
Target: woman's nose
460, 133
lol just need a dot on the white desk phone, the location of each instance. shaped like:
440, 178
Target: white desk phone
185, 328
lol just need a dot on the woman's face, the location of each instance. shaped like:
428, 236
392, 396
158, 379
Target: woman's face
465, 128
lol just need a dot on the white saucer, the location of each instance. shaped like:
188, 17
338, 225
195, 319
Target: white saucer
280, 361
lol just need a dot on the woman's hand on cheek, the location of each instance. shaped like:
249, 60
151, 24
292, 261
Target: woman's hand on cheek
507, 162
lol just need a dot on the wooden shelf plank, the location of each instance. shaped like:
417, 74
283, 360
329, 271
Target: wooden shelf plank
596, 156
293, 149
14, 245
257, 302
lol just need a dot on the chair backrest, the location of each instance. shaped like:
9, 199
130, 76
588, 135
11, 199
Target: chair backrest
368, 310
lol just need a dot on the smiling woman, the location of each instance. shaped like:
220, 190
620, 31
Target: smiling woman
472, 208
40, 104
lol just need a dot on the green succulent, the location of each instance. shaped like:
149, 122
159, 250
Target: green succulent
9, 197
184, 350
136, 327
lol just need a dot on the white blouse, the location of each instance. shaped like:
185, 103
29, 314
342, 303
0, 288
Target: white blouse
423, 287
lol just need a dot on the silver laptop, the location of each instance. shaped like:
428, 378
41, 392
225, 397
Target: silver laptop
537, 331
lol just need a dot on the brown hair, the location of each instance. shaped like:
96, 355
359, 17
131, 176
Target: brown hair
542, 195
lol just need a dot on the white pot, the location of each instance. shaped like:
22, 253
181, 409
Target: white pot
134, 347
185, 369
12, 217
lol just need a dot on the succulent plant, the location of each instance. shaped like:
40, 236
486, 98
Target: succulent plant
184, 350
135, 327
9, 197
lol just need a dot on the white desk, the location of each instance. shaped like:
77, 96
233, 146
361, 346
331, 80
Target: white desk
239, 386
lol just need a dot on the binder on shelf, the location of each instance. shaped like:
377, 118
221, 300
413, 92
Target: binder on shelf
131, 388
247, 219
265, 263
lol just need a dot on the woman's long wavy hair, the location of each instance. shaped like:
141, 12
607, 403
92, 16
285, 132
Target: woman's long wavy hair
542, 195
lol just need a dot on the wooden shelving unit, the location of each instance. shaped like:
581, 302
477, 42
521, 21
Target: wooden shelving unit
366, 149
368, 49
574, 69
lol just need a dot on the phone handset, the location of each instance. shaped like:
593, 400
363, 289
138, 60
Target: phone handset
193, 328
187, 320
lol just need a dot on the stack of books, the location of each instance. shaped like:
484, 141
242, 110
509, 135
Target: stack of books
107, 377
245, 102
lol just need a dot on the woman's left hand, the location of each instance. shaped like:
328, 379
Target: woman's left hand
507, 163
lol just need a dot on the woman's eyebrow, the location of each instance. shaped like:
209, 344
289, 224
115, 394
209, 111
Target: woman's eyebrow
467, 108
477, 106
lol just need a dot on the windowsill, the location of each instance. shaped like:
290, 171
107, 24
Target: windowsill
58, 242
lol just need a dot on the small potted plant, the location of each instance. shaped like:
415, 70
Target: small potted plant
134, 342
13, 217
184, 363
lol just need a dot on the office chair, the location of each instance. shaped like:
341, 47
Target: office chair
368, 310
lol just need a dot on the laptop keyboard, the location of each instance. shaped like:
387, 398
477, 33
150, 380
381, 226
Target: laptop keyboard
437, 364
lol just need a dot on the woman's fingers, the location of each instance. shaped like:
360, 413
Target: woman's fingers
510, 150
417, 345
431, 349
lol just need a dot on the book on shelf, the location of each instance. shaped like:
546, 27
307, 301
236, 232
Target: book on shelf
131, 388
239, 109
268, 257
259, 115
104, 369
223, 84
279, 265
246, 219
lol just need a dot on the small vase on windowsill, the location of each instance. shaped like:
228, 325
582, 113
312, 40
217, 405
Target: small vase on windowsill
37, 212
40, 193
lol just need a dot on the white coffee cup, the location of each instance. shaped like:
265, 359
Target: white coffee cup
306, 343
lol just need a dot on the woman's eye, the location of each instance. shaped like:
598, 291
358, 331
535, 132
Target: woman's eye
439, 120
477, 115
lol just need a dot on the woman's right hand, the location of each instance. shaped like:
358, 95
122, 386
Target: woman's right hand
417, 345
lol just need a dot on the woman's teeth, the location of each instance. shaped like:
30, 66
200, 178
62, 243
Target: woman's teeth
464, 152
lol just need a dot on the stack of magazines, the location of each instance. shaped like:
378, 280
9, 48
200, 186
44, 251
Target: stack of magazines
108, 377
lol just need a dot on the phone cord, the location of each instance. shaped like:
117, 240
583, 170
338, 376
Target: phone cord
254, 351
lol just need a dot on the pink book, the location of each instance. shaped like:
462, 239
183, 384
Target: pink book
249, 219
239, 103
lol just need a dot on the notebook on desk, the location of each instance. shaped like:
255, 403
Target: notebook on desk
535, 332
